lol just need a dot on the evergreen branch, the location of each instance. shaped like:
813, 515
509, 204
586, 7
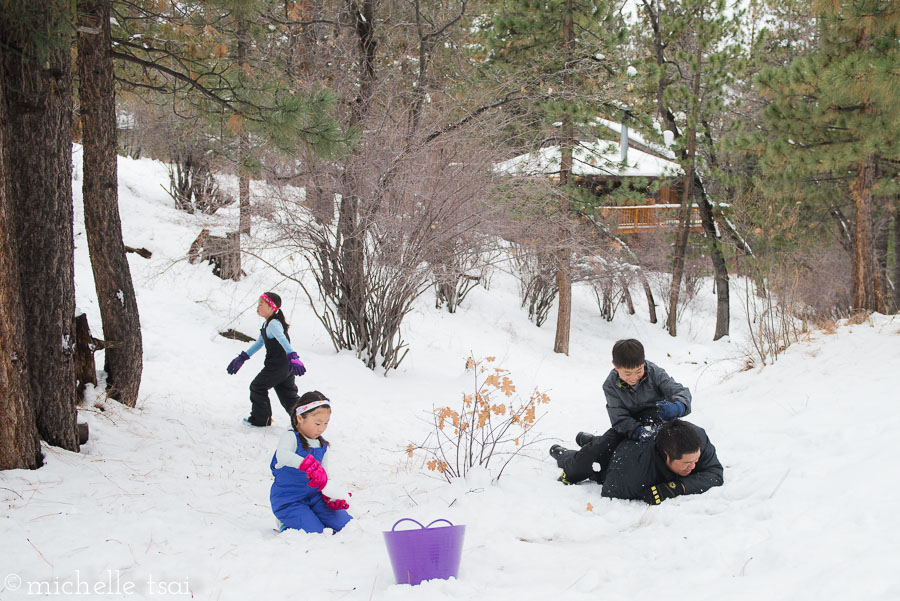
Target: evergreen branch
173, 73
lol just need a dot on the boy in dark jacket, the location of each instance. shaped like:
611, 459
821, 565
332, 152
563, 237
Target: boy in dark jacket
681, 461
640, 396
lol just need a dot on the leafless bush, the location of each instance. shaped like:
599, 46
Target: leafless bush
490, 424
654, 252
374, 254
192, 183
791, 296
535, 268
610, 282
460, 268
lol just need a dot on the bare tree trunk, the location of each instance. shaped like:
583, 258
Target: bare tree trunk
681, 243
867, 290
897, 254
112, 274
563, 268
626, 294
679, 252
882, 239
723, 301
651, 302
20, 444
37, 148
351, 230
244, 142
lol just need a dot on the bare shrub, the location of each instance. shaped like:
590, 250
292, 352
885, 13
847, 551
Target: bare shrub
653, 249
491, 424
793, 296
373, 255
610, 281
192, 184
535, 269
460, 268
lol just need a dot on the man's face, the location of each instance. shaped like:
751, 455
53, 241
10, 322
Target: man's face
630, 375
685, 465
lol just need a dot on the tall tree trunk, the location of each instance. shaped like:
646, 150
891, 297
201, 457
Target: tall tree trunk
897, 254
351, 228
244, 142
867, 291
563, 266
681, 243
112, 275
38, 158
882, 239
714, 243
723, 301
20, 444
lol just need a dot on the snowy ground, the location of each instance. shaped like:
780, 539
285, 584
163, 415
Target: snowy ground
170, 500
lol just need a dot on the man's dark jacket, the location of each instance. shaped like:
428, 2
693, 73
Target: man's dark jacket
624, 402
636, 466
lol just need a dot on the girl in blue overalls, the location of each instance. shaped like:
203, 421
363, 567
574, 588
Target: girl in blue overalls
296, 495
280, 367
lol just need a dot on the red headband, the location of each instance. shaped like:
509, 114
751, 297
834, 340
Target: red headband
269, 302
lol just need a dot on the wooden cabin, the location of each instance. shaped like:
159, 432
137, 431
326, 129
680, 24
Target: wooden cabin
603, 166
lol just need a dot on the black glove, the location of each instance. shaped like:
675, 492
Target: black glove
658, 493
644, 433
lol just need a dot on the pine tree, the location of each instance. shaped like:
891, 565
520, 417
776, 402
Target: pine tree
222, 62
692, 56
835, 123
112, 274
36, 77
563, 55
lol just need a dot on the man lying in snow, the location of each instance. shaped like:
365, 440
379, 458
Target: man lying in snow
680, 461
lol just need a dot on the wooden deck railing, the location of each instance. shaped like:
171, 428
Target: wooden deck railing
642, 218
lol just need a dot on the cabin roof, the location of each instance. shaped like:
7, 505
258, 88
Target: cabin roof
598, 158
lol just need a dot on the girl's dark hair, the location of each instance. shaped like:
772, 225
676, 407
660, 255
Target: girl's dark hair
279, 314
677, 438
308, 397
628, 354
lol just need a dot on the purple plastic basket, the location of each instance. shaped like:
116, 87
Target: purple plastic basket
425, 553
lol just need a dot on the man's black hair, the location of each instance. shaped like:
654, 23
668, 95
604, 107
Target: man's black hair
628, 354
677, 438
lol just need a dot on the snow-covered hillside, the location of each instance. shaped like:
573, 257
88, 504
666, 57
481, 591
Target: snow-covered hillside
170, 500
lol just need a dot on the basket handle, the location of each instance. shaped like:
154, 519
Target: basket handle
419, 523
439, 520
407, 520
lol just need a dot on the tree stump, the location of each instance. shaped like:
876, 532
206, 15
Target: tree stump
85, 345
224, 254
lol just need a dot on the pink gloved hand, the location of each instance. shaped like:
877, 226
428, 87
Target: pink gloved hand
314, 471
335, 503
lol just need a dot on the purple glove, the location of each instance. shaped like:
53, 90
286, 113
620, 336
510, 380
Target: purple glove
314, 471
236, 363
296, 364
335, 503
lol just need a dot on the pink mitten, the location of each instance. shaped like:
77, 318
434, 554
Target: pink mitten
314, 471
335, 503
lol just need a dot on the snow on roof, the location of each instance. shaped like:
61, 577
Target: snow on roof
594, 158
637, 137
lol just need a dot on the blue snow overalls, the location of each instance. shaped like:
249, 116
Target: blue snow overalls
298, 505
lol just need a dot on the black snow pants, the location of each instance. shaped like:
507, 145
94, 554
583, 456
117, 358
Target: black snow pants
579, 465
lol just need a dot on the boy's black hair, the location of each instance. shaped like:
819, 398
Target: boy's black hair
677, 438
628, 354
279, 314
308, 397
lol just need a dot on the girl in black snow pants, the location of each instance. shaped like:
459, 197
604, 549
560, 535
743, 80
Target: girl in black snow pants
280, 367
